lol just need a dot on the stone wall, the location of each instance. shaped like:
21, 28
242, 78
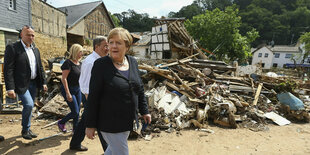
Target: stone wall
50, 26
97, 23
2, 43
50, 46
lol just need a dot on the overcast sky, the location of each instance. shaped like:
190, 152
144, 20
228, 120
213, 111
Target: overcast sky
156, 8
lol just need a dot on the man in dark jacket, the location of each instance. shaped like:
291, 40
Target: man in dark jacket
23, 74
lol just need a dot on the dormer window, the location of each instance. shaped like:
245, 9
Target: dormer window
12, 4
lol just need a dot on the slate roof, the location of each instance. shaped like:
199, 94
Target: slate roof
284, 48
280, 48
145, 40
78, 12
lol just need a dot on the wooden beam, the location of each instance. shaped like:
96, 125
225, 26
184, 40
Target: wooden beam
174, 87
187, 59
161, 72
185, 86
257, 93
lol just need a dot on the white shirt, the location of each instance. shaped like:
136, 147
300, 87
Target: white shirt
85, 75
32, 60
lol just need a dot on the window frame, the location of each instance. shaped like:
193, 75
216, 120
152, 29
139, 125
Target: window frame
12, 5
276, 55
288, 54
260, 55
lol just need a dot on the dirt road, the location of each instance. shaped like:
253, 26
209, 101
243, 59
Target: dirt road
284, 140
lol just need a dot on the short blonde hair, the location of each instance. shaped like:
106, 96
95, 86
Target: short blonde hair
74, 50
123, 33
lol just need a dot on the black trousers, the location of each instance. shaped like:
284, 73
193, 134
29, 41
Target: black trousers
79, 133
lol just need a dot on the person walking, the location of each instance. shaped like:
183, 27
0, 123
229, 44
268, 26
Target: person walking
70, 88
100, 50
23, 74
116, 95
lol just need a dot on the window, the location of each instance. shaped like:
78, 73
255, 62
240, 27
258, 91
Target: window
288, 56
275, 65
263, 65
277, 55
12, 4
260, 55
266, 55
146, 51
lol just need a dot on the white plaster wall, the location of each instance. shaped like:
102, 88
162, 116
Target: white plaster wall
282, 60
267, 61
140, 51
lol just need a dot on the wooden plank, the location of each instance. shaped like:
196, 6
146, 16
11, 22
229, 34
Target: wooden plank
220, 77
161, 72
174, 87
212, 66
201, 54
197, 71
231, 83
57, 68
181, 46
257, 93
154, 69
210, 62
185, 86
183, 35
187, 59
48, 125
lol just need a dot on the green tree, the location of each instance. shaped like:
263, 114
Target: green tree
135, 22
303, 3
187, 11
242, 3
220, 30
115, 20
282, 21
305, 38
213, 4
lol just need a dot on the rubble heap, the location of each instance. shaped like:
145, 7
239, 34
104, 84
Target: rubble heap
191, 92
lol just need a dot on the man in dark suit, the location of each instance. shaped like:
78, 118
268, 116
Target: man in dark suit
23, 74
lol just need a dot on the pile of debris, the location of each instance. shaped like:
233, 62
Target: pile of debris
192, 92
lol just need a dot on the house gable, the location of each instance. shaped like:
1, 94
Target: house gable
97, 22
263, 55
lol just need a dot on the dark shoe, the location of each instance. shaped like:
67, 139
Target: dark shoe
62, 127
1, 138
33, 135
79, 148
26, 135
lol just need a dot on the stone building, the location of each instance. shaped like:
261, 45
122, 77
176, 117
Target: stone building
86, 21
50, 29
48, 22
